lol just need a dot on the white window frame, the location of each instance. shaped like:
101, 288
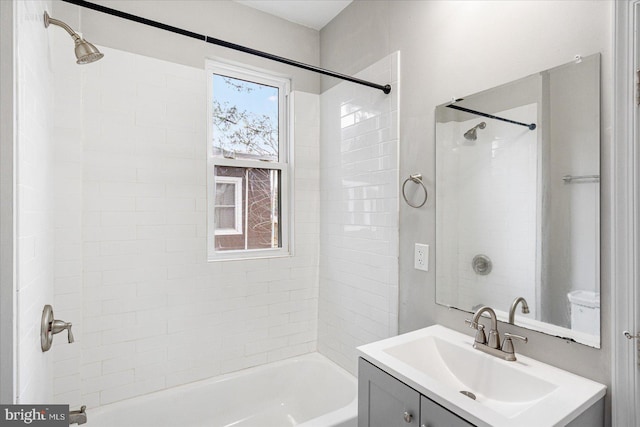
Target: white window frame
283, 164
237, 205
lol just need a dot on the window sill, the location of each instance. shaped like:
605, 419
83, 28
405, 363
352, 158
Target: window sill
249, 255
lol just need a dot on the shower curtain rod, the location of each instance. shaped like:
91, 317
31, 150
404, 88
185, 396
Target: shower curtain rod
531, 126
386, 88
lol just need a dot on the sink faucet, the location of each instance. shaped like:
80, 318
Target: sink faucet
514, 305
492, 345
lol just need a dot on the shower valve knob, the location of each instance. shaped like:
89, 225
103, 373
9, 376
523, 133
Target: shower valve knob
49, 326
58, 326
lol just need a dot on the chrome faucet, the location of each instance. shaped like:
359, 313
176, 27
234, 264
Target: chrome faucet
78, 417
492, 345
514, 305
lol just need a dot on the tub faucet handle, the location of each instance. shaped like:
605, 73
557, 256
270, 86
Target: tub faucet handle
58, 326
49, 326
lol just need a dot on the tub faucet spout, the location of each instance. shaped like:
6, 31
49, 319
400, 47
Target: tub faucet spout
78, 417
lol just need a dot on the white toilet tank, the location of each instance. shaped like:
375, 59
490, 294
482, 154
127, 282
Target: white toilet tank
585, 311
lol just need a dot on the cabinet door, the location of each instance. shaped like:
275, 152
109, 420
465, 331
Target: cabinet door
383, 401
434, 415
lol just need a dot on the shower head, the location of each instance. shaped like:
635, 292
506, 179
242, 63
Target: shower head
85, 51
472, 134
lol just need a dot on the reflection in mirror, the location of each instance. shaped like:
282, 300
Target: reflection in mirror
518, 201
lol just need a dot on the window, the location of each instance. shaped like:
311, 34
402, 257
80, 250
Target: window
248, 163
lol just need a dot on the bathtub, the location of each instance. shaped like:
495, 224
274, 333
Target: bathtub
306, 391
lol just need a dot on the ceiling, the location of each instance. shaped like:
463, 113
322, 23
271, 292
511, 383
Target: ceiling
310, 13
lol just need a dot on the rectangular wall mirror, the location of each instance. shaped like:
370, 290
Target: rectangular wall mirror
518, 201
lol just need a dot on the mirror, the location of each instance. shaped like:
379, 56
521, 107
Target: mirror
518, 201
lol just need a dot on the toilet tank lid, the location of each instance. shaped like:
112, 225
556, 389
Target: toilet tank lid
586, 298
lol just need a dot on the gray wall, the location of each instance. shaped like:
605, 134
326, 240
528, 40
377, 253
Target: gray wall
226, 20
452, 49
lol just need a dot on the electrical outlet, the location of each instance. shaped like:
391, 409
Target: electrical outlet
421, 257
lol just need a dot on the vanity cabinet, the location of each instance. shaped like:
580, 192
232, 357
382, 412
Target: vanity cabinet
384, 401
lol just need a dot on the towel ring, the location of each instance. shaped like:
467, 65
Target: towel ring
417, 178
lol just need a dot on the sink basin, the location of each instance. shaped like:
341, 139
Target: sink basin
443, 365
492, 382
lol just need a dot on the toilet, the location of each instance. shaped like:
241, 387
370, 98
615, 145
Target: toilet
585, 311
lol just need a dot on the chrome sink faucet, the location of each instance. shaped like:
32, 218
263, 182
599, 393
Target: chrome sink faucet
492, 345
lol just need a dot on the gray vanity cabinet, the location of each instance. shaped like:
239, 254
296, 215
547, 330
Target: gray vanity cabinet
384, 401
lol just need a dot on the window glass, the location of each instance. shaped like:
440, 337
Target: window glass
259, 216
245, 119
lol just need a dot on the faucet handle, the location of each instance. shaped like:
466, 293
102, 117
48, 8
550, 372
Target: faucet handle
480, 338
58, 326
507, 344
507, 336
69, 334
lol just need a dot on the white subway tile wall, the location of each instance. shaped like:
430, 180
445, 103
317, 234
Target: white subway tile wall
153, 312
359, 214
67, 140
35, 204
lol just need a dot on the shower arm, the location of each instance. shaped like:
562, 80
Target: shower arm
49, 20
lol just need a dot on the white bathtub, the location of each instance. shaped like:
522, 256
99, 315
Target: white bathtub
306, 391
